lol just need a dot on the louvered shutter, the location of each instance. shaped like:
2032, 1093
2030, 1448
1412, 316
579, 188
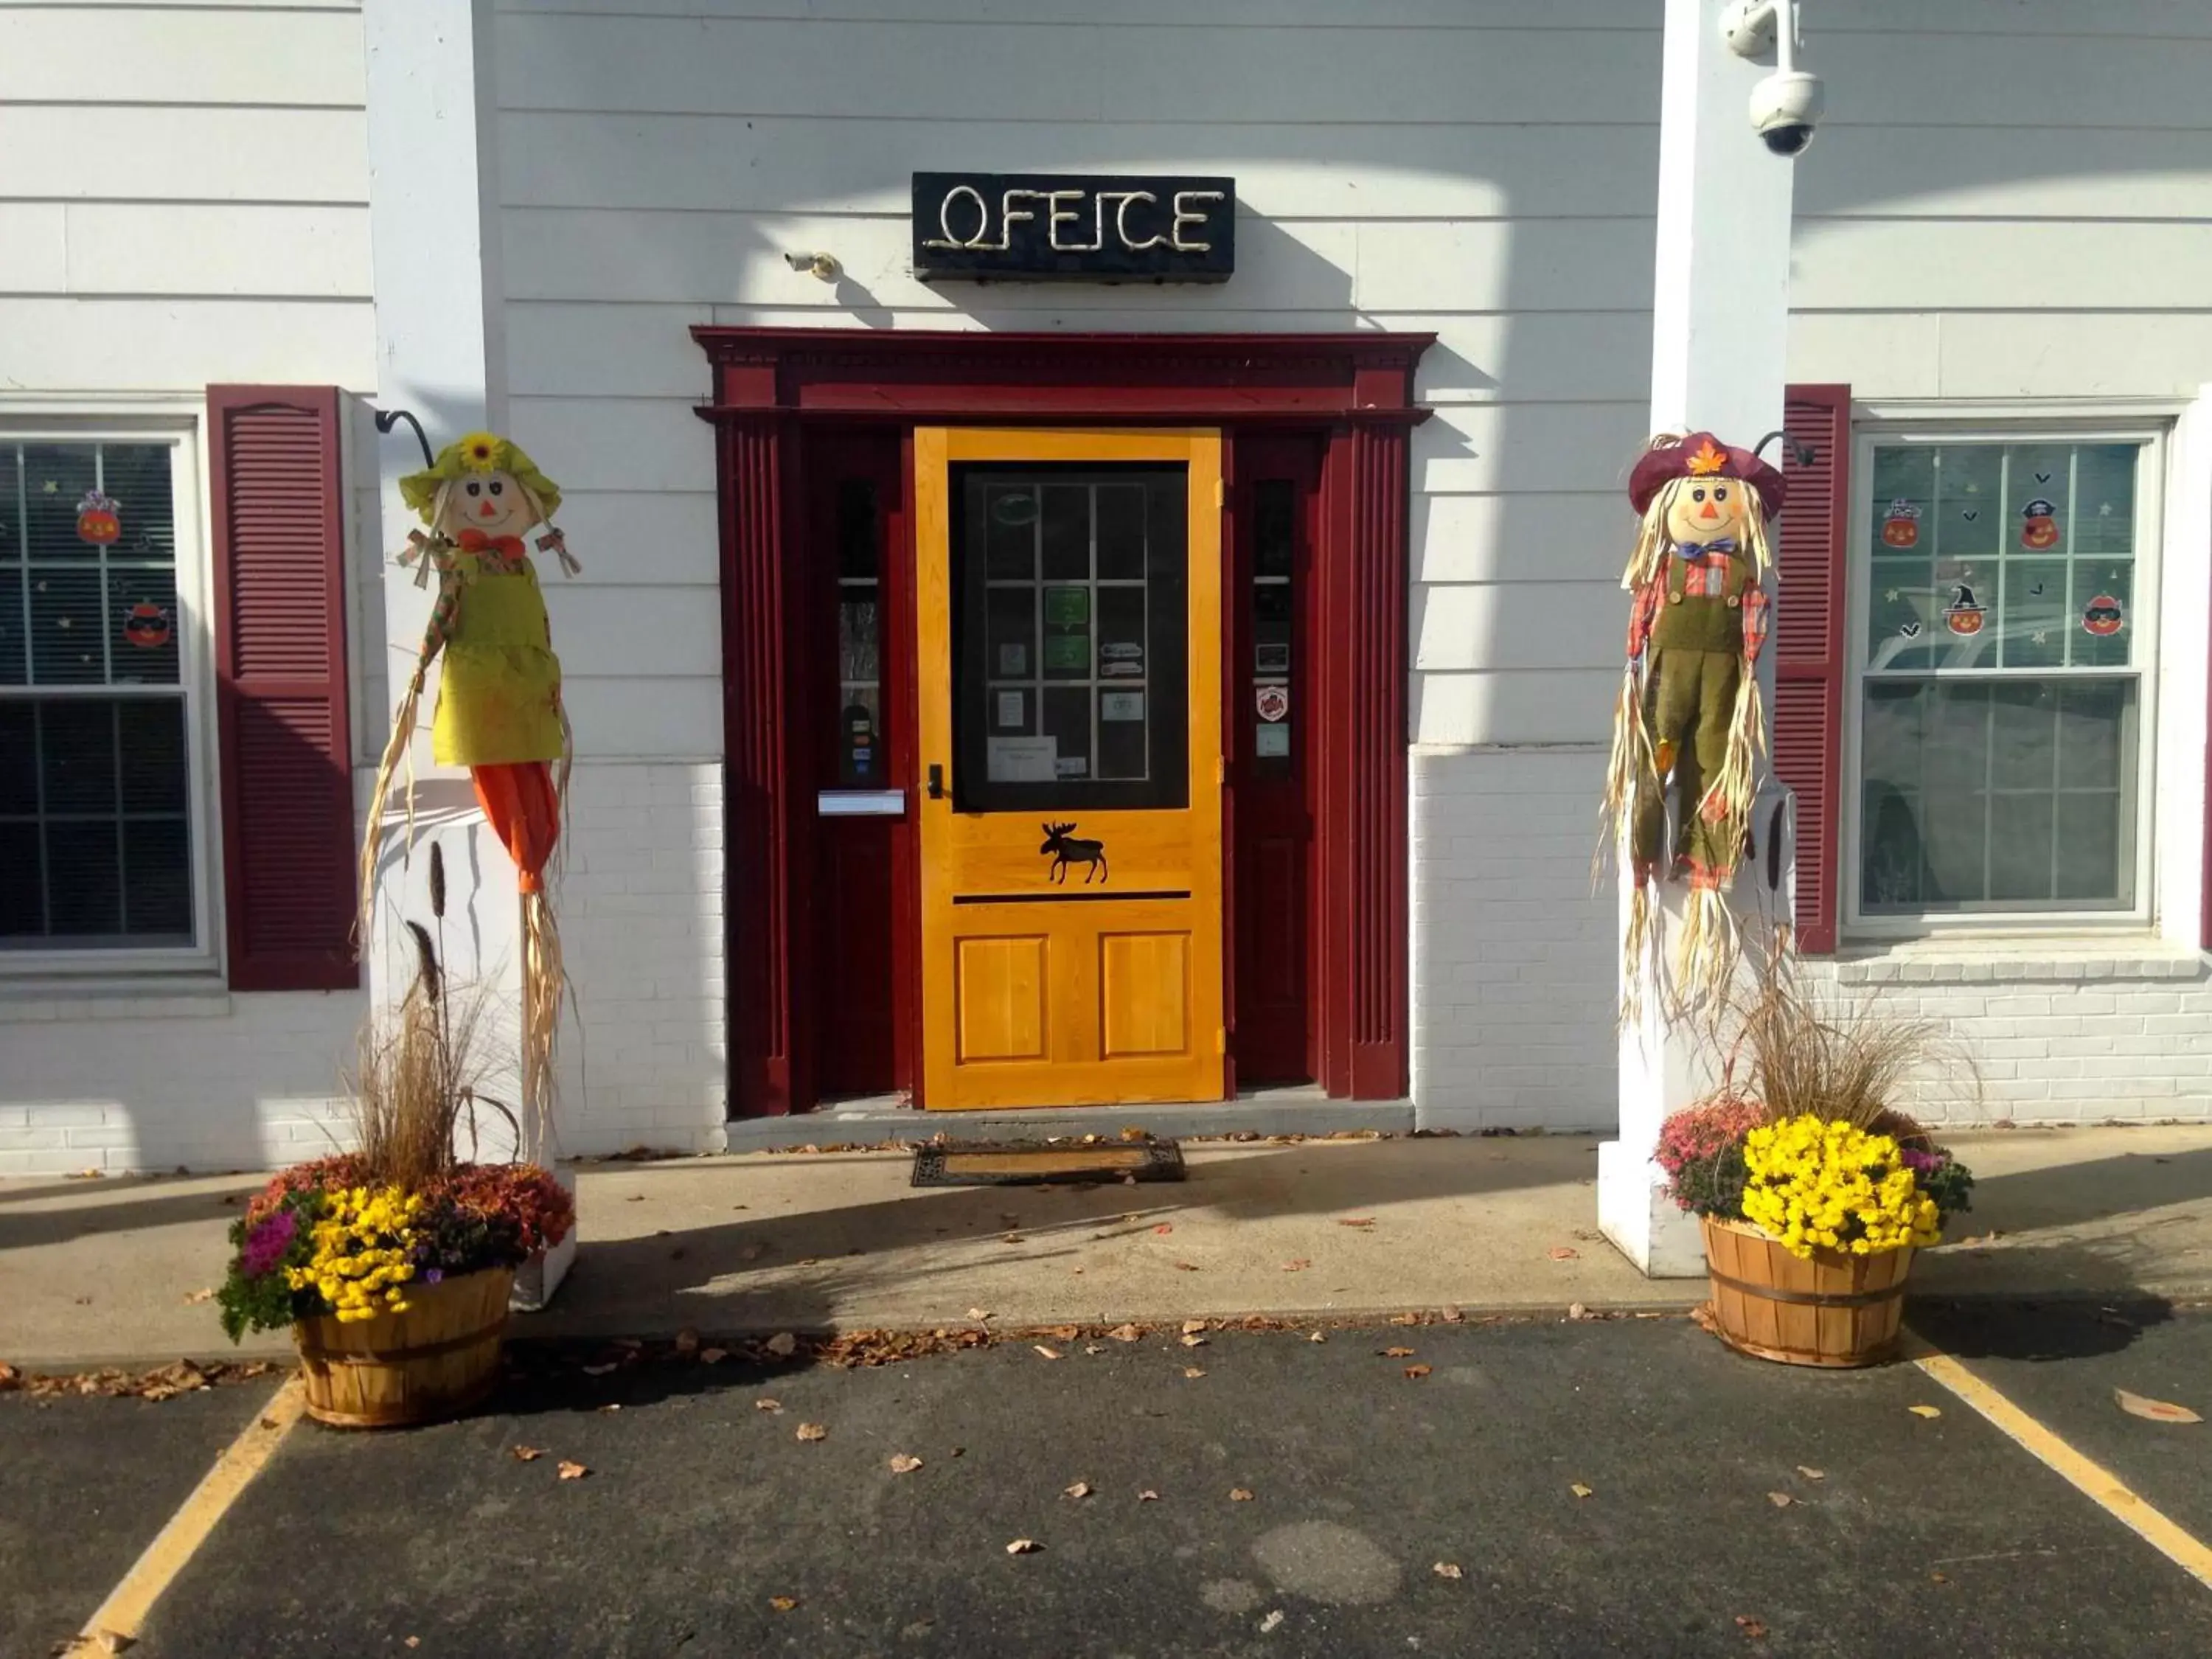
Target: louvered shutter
280, 691
1809, 649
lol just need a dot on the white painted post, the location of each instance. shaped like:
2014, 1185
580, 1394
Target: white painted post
1720, 325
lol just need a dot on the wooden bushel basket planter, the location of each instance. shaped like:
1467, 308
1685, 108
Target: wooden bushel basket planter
1835, 1309
433, 1361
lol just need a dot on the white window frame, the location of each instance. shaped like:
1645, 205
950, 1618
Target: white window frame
182, 427
2153, 437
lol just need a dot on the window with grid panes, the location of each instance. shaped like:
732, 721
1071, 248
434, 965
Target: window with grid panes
2002, 661
95, 822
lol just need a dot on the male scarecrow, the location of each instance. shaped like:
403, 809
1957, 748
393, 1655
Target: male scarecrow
499, 709
1688, 722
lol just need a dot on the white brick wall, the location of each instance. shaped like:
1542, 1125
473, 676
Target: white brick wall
1513, 954
208, 1080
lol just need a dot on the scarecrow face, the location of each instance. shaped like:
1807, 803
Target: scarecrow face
1704, 509
490, 502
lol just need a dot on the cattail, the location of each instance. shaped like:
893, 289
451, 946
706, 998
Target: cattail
438, 880
426, 963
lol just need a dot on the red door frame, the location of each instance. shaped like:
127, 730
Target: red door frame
773, 387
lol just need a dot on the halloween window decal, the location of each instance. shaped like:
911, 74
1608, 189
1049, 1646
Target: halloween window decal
1999, 740
95, 835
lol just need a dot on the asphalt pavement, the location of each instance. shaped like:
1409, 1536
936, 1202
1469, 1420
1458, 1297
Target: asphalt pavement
1593, 1487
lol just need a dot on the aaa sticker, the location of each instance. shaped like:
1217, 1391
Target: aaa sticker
1271, 702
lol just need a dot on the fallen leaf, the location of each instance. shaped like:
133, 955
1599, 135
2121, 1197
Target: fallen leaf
1148, 1496
783, 1344
414, 1641
765, 1404
902, 1463
1093, 1347
1937, 1578
1579, 1490
1065, 1333
1080, 1489
598, 1371
813, 1432
1452, 1316
687, 1341
1415, 1373
1316, 1336
2155, 1410
1193, 1327
1186, 1267
783, 1604
1812, 1475
528, 1453
1124, 1333
111, 1641
1355, 1221
1238, 1495
635, 1198
1576, 1310
604, 1410
1192, 1372
1192, 1341
1750, 1627
573, 1471
712, 1356
1024, 1546
1299, 1265
1270, 1621
1564, 1252
1044, 1353
1405, 1319
1781, 1500
1447, 1569
979, 1313
204, 1294
1925, 1411
1395, 1353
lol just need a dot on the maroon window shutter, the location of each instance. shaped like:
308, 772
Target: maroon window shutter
1809, 649
281, 687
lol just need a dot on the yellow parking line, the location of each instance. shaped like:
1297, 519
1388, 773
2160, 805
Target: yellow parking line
2093, 1479
124, 1613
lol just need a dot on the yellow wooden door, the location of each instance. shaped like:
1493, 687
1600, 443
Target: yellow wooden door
1068, 602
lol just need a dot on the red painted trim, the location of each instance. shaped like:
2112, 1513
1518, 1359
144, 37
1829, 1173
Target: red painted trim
903, 686
1809, 650
285, 740
1357, 389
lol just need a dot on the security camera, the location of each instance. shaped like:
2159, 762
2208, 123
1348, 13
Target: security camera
1786, 105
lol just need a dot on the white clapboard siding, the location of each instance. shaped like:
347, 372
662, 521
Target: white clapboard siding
1528, 264
33, 248
645, 444
1899, 351
617, 628
1113, 71
117, 247
1939, 172
556, 349
1246, 13
182, 345
1506, 706
2185, 18
1526, 447
2000, 264
125, 154
1522, 536
633, 716
1283, 170
1998, 77
646, 539
211, 55
1516, 625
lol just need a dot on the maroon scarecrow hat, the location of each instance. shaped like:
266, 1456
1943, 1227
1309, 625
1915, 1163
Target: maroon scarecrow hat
1701, 455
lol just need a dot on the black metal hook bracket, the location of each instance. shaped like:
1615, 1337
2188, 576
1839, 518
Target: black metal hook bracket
387, 418
1800, 451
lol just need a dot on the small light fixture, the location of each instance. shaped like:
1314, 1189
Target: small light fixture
823, 266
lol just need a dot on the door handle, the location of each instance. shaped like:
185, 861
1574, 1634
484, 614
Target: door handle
936, 781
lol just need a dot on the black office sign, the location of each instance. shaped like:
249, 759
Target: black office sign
1078, 228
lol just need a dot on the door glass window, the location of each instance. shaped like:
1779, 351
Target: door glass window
1070, 625
860, 633
1274, 543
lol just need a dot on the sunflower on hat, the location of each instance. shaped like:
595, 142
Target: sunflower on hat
478, 453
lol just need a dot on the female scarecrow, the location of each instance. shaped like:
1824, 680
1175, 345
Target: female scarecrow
1688, 722
499, 698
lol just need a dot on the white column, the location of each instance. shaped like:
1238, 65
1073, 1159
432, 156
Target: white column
1720, 324
434, 227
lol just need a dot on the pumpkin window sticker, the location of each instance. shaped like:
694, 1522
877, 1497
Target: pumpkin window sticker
1901, 525
99, 519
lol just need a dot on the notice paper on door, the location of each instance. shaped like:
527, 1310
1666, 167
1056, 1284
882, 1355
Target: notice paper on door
1121, 705
1022, 760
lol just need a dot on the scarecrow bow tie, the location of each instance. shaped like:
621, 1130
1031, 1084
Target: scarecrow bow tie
1702, 550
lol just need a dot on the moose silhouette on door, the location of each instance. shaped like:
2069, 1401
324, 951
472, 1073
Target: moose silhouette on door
1064, 850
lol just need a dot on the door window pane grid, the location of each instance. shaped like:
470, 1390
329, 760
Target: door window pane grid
860, 762
1273, 613
1068, 609
95, 835
1998, 764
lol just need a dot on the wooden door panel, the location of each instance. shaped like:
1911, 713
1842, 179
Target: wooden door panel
1072, 947
999, 989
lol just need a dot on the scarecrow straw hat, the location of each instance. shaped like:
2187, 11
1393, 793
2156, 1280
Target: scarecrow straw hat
478, 452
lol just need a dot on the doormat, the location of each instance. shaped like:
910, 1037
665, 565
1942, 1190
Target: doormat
986, 1163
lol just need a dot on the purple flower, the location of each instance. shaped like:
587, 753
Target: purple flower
1922, 1163
267, 1244
431, 1276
